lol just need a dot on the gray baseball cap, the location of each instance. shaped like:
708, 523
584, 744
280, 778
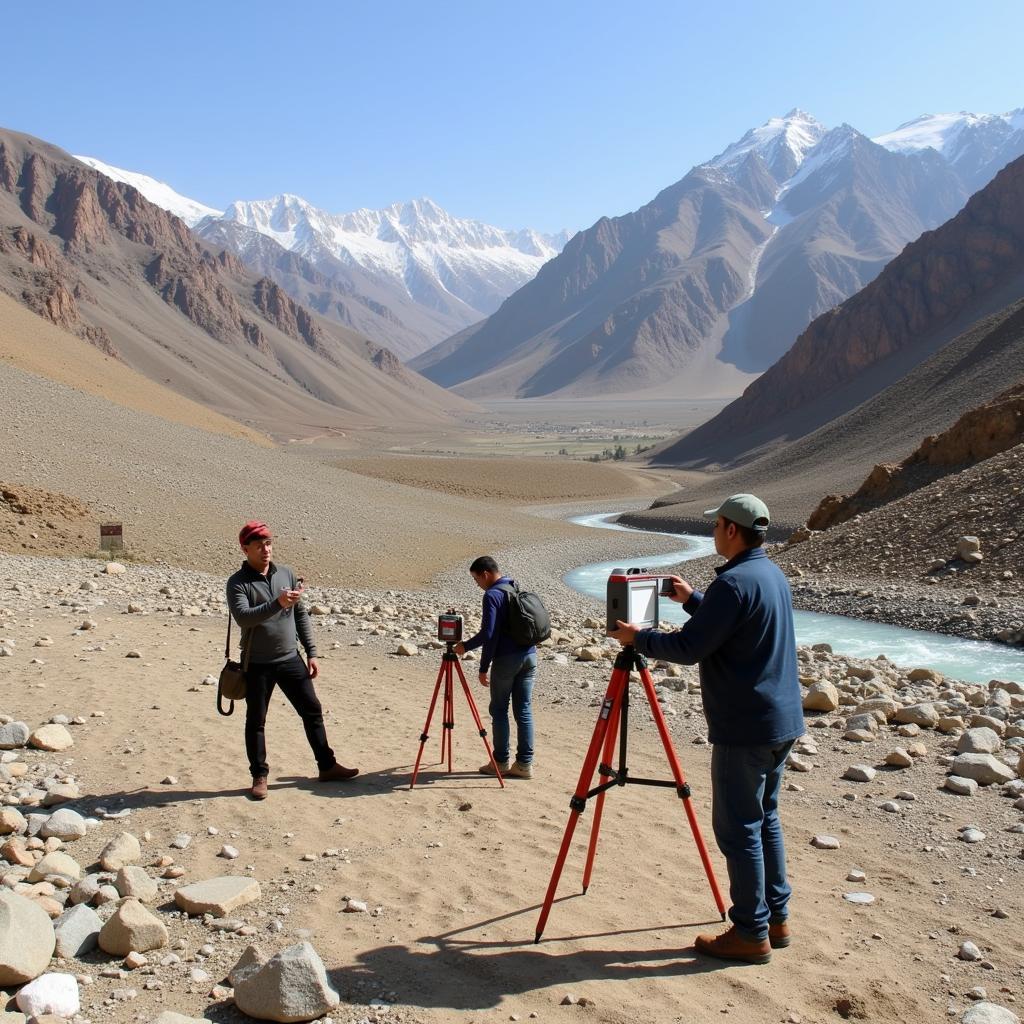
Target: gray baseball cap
744, 509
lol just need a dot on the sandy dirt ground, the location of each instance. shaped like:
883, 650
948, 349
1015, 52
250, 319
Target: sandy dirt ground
453, 872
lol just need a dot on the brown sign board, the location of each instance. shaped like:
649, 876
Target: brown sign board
111, 536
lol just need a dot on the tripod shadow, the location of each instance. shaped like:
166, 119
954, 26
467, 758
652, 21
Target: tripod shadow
466, 973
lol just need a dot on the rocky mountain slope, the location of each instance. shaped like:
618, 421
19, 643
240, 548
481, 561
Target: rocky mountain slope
917, 535
935, 289
712, 281
95, 257
978, 434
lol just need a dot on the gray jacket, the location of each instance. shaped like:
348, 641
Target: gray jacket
269, 631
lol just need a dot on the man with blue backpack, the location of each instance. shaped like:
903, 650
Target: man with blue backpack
513, 622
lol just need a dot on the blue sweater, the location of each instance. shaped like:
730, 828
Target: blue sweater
741, 633
492, 636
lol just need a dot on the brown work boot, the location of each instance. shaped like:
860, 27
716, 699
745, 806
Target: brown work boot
488, 769
730, 945
519, 771
259, 788
337, 773
778, 935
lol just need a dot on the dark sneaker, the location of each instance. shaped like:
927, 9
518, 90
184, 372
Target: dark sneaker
337, 773
259, 788
778, 935
519, 771
488, 769
731, 946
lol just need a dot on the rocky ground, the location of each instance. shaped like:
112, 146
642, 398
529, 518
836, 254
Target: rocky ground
904, 812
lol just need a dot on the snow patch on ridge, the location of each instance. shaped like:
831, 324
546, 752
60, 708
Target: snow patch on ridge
159, 193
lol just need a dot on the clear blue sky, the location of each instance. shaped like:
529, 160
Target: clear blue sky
521, 114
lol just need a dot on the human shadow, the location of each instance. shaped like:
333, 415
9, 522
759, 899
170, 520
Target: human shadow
461, 972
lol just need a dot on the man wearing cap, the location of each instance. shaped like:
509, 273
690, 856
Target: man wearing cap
740, 632
266, 601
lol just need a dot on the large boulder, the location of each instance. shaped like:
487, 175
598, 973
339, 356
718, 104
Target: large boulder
217, 896
77, 931
26, 939
983, 768
291, 986
50, 993
132, 928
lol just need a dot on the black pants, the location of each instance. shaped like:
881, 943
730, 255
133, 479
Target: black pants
293, 678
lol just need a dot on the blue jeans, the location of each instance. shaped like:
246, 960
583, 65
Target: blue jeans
512, 681
745, 785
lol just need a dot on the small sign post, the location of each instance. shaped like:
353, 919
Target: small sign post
111, 537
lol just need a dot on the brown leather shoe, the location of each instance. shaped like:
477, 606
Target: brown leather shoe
778, 935
337, 773
259, 788
731, 946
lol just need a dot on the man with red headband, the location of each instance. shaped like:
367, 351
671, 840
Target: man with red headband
266, 601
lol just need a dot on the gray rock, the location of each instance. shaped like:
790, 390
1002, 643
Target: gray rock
983, 768
981, 740
14, 734
923, 715
291, 986
859, 773
133, 881
85, 891
132, 927
26, 939
77, 931
961, 786
217, 896
989, 1013
969, 951
67, 825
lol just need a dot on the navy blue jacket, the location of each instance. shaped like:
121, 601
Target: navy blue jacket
741, 633
492, 636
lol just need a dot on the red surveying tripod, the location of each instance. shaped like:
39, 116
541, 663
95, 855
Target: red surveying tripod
449, 659
614, 718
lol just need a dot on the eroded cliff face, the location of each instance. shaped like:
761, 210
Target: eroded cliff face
979, 434
50, 286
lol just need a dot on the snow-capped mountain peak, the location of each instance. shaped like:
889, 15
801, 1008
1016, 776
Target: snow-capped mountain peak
781, 142
973, 144
191, 211
417, 244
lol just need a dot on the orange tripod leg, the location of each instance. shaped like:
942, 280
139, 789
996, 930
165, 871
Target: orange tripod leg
479, 725
610, 739
677, 774
426, 726
619, 680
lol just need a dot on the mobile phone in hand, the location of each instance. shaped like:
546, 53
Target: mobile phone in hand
668, 587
